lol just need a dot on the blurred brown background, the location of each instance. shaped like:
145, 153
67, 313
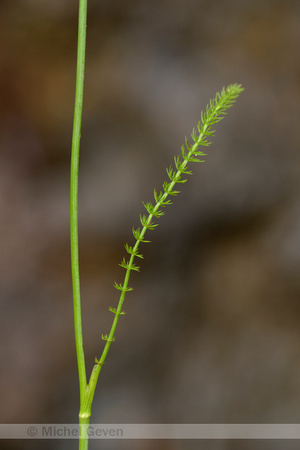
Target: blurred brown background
212, 331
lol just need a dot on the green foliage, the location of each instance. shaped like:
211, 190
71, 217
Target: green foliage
106, 337
114, 310
215, 111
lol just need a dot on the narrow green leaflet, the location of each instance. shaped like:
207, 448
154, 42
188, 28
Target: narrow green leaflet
190, 153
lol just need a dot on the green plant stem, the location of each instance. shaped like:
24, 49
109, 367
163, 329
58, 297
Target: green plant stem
82, 20
215, 111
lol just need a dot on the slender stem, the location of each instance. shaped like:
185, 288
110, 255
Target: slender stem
215, 111
82, 18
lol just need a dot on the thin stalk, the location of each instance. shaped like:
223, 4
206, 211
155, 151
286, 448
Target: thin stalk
215, 111
82, 19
